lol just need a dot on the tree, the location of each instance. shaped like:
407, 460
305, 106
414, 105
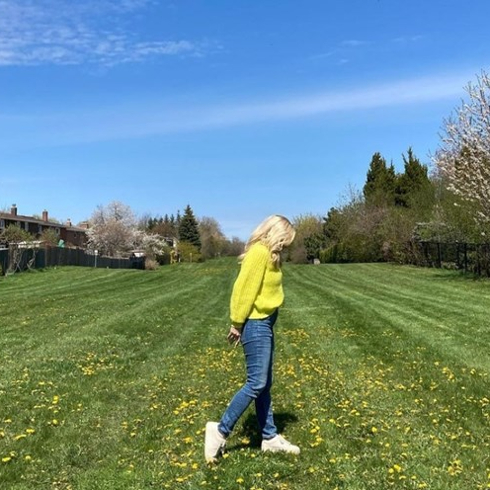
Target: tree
352, 231
234, 247
414, 187
163, 226
213, 241
464, 154
379, 189
189, 229
113, 229
49, 237
189, 252
16, 238
14, 234
309, 239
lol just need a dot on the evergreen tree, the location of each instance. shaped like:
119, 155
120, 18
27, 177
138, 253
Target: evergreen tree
413, 186
189, 228
379, 189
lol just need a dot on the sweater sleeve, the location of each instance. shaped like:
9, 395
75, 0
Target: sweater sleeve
248, 283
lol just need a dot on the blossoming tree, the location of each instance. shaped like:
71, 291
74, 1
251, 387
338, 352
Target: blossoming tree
463, 158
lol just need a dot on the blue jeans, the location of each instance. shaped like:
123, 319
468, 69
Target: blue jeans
258, 345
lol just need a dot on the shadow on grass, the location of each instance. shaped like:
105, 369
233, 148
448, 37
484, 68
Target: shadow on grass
250, 429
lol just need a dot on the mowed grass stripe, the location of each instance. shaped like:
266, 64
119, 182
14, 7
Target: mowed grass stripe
120, 302
414, 309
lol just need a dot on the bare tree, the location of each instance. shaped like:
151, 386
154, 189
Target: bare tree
213, 241
463, 158
18, 241
309, 238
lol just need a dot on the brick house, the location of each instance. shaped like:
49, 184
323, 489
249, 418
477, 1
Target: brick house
73, 236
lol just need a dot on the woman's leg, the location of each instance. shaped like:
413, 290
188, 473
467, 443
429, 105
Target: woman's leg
263, 404
258, 342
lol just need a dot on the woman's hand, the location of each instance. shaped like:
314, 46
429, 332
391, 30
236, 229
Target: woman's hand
234, 335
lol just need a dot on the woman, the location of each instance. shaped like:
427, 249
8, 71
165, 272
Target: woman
256, 297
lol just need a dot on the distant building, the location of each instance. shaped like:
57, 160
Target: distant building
74, 236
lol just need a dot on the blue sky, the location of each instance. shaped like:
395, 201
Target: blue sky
240, 109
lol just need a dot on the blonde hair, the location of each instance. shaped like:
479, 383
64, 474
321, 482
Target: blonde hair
275, 232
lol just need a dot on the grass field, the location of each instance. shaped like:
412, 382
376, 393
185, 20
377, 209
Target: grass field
107, 379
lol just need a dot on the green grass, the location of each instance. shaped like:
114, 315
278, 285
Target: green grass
108, 377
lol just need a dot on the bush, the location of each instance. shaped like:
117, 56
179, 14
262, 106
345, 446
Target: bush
151, 264
189, 252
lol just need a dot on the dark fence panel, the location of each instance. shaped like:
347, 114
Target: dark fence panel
4, 260
16, 260
469, 257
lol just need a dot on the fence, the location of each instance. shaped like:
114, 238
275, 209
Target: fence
20, 259
469, 257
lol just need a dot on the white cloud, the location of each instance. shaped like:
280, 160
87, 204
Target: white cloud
36, 32
408, 39
154, 118
353, 43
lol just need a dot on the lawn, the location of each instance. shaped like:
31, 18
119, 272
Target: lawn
108, 377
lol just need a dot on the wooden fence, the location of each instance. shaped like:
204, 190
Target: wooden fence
20, 259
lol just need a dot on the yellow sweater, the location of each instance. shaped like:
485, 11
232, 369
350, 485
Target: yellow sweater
257, 291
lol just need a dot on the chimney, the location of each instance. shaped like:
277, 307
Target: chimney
45, 215
13, 210
68, 222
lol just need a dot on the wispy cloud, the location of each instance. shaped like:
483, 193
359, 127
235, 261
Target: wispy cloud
148, 119
353, 43
343, 48
62, 32
408, 39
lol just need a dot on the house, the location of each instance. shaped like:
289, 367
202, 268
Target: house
72, 236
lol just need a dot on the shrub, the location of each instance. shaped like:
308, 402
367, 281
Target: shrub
189, 252
151, 264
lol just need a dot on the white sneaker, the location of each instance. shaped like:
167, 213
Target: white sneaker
214, 443
279, 444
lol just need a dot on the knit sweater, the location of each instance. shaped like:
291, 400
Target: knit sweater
257, 291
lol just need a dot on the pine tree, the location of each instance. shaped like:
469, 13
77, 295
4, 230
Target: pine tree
189, 229
414, 184
379, 189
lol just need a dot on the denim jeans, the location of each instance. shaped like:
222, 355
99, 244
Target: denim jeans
258, 345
